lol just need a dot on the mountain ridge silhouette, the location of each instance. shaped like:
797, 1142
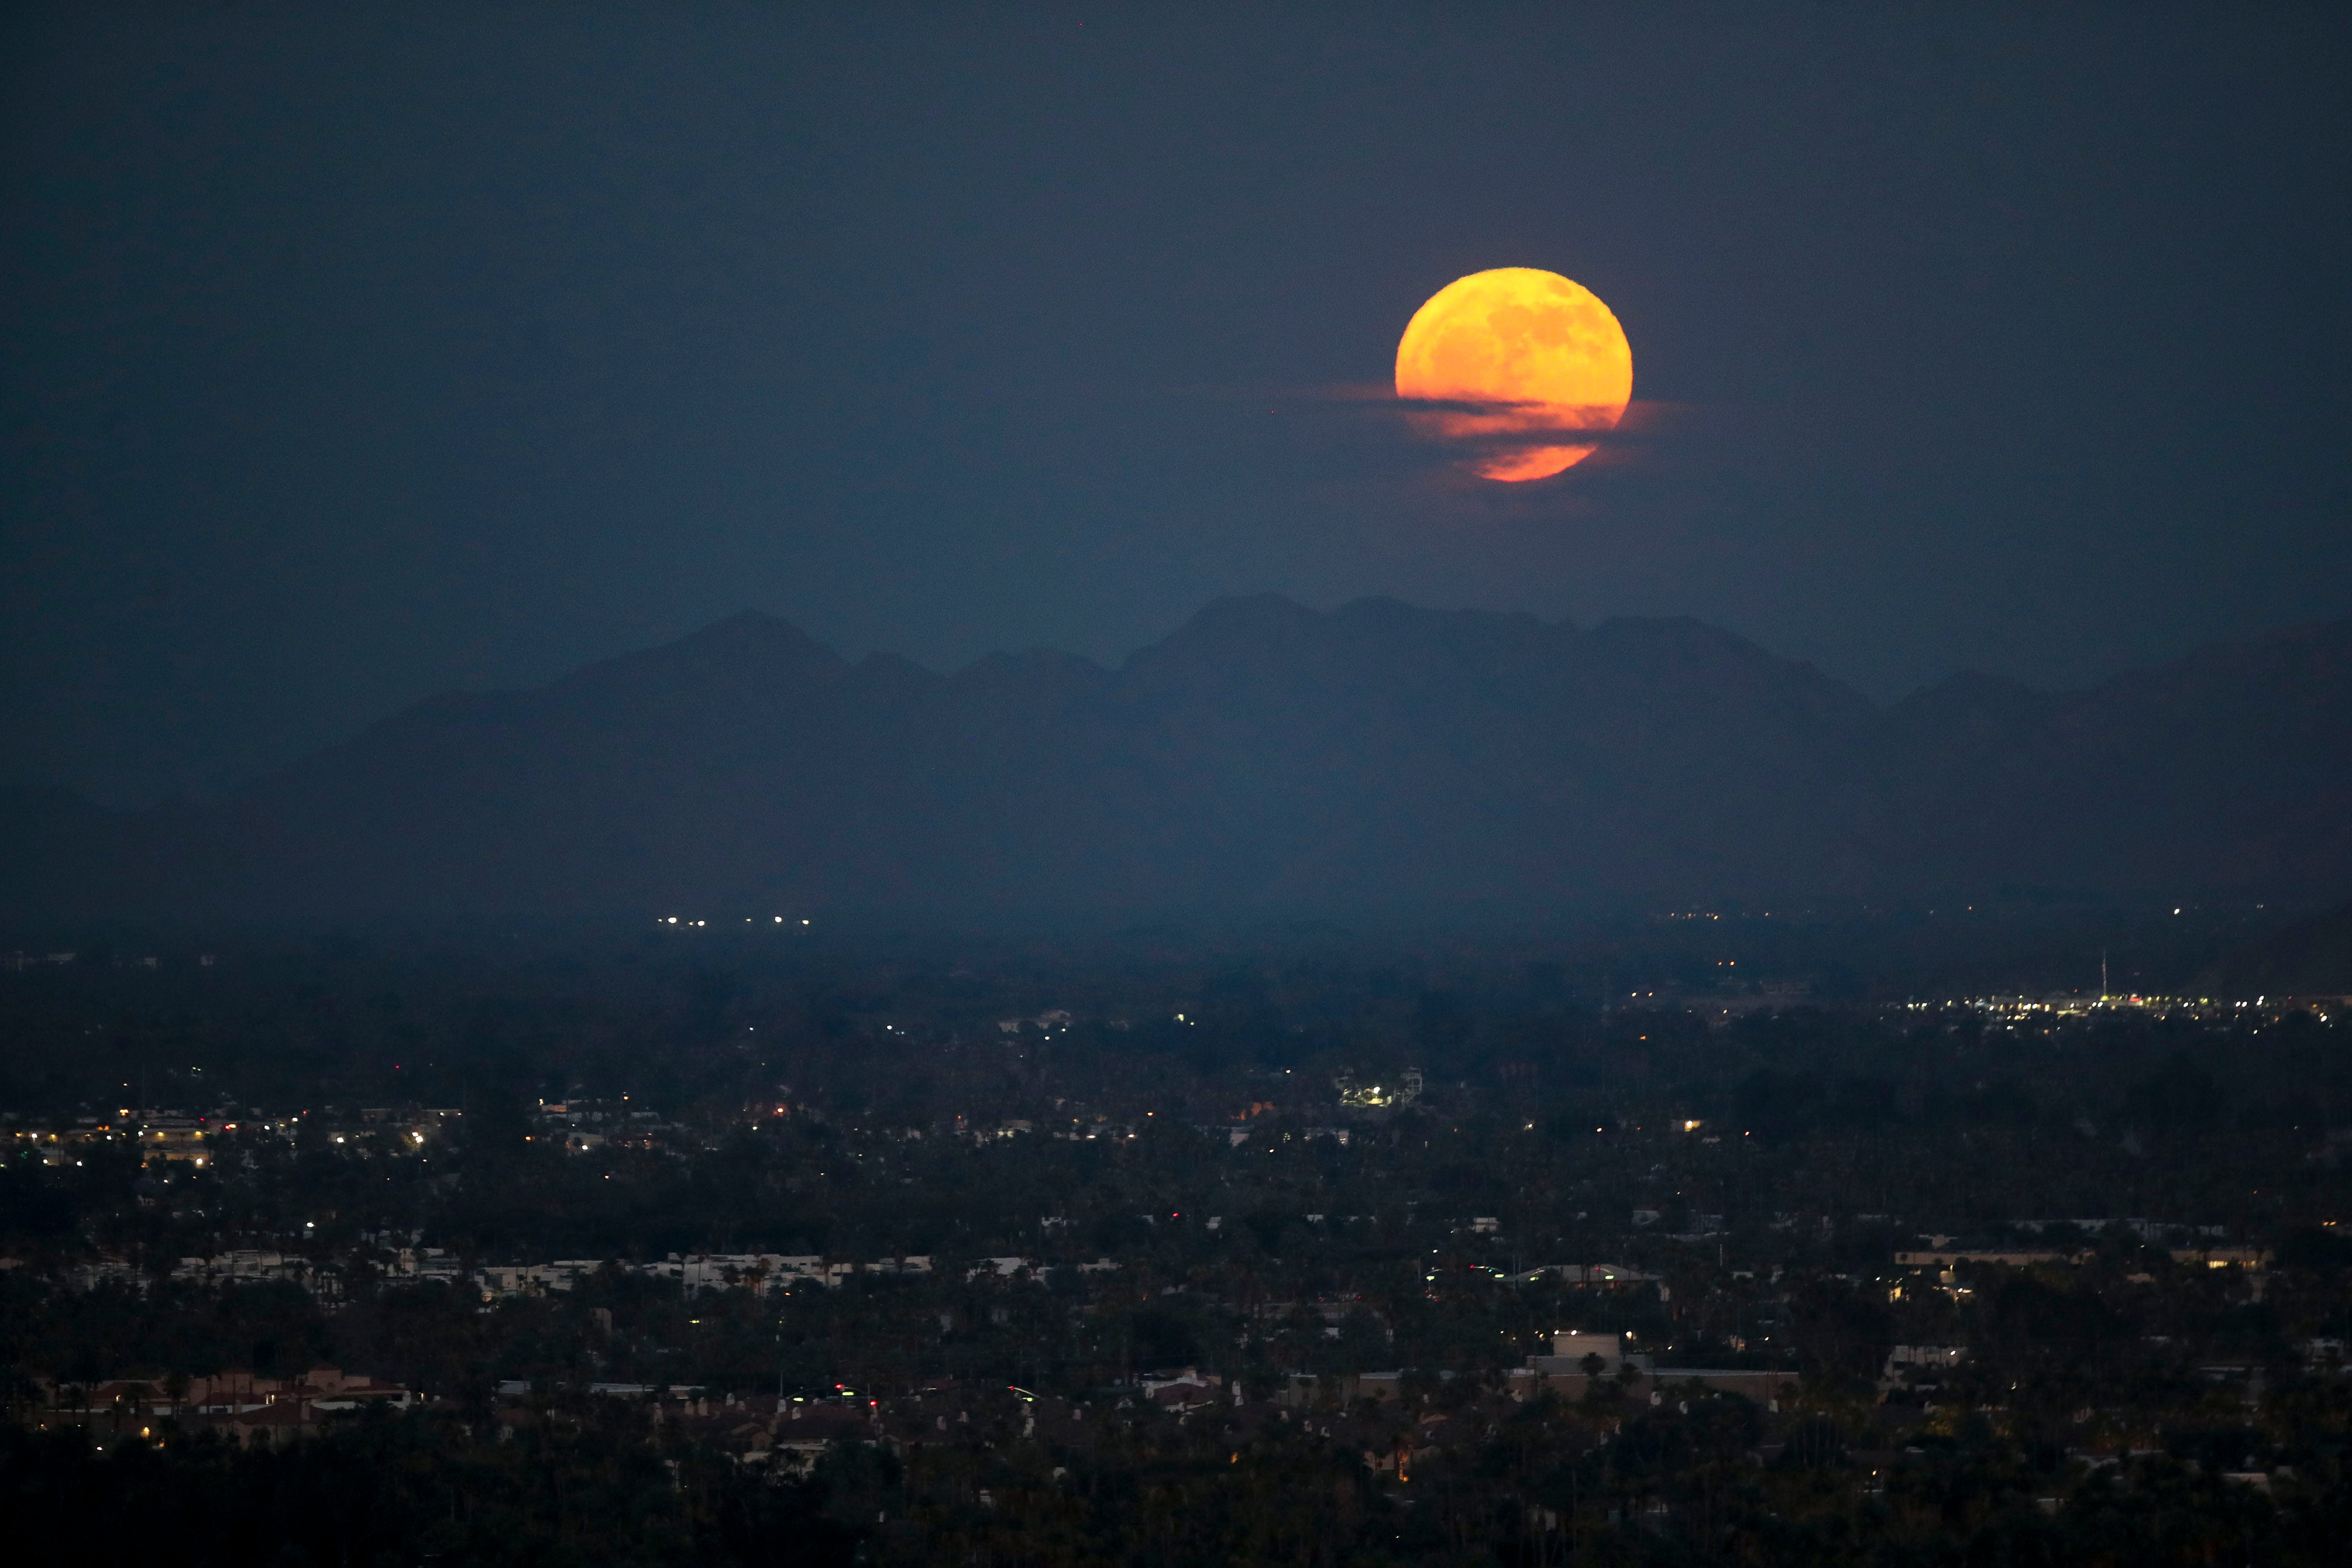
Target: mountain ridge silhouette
1376, 760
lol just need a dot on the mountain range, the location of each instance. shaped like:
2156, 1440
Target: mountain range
1378, 760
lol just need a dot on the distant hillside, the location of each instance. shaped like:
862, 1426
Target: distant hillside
2311, 958
1376, 761
2228, 771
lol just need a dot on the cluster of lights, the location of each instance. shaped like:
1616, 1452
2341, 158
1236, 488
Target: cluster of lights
680, 920
2076, 1006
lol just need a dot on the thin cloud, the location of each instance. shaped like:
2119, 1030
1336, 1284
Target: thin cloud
1440, 423
1645, 419
1365, 427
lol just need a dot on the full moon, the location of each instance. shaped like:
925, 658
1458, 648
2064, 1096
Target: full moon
1537, 352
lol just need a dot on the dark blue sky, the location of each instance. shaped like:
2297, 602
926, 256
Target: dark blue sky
352, 353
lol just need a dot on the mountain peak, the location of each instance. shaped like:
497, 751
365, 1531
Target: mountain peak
1247, 614
746, 646
750, 631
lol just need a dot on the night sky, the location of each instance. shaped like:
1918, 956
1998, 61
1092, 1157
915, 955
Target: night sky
355, 353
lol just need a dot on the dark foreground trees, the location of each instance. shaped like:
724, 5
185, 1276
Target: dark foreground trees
1685, 1481
394, 1490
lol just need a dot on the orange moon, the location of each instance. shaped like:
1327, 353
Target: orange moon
1542, 351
